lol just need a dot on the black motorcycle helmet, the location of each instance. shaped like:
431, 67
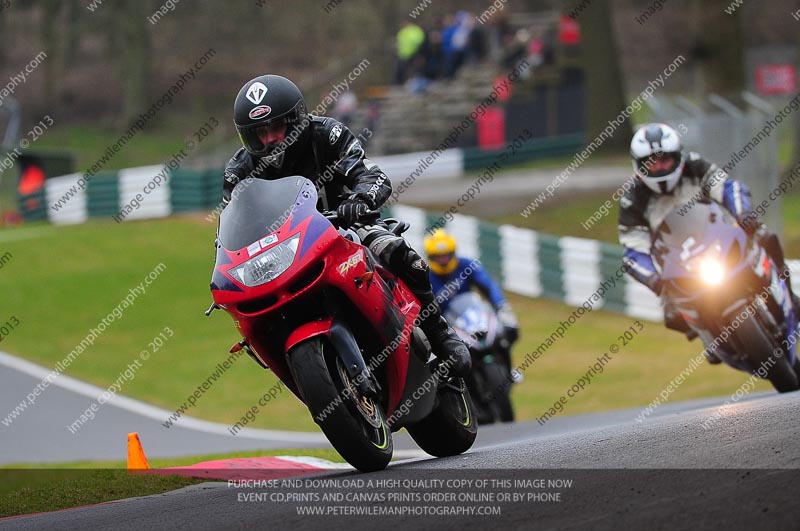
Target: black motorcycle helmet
268, 100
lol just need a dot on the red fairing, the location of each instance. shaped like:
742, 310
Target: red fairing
309, 330
325, 263
233, 259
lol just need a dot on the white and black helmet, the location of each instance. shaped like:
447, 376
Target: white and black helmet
657, 141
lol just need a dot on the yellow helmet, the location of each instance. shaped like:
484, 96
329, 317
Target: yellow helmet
441, 250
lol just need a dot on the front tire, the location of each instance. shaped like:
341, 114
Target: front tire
451, 428
758, 346
355, 425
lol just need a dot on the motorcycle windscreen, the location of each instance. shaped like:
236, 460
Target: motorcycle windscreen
463, 302
679, 225
259, 207
471, 314
694, 223
685, 231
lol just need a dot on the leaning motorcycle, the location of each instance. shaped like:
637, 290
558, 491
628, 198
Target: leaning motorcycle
729, 292
334, 324
489, 382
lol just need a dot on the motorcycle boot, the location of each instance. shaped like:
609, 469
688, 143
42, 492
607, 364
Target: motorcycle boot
673, 320
787, 275
770, 242
445, 343
711, 358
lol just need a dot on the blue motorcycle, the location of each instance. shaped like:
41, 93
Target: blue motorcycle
729, 292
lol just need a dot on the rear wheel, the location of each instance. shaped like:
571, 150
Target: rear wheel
451, 428
354, 424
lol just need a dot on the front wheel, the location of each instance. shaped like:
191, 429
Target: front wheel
450, 429
756, 344
355, 425
499, 385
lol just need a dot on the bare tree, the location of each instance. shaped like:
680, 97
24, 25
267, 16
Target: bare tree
131, 44
605, 97
719, 46
52, 47
796, 157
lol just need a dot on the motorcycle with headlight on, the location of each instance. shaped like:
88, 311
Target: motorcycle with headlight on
729, 292
334, 324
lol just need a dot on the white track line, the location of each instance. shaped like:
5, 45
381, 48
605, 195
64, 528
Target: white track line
153, 412
318, 462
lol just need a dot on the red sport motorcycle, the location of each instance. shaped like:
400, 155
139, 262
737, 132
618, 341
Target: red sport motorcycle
334, 324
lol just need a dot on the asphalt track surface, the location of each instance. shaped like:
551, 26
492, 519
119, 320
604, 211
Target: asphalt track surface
666, 472
40, 433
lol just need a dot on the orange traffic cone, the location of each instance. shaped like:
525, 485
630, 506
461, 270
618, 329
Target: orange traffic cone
136, 458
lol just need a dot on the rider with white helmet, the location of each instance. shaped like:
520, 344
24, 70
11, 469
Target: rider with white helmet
666, 177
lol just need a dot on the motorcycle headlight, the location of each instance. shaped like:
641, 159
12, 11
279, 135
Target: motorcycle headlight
712, 271
268, 265
709, 266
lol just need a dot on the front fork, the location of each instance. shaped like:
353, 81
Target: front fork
712, 324
346, 347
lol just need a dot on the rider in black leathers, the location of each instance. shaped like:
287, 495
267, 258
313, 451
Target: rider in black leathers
281, 139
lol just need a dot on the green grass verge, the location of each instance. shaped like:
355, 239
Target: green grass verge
65, 485
164, 462
159, 141
64, 280
91, 269
88, 142
35, 491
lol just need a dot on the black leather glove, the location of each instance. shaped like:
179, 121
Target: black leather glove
750, 224
351, 210
509, 321
511, 333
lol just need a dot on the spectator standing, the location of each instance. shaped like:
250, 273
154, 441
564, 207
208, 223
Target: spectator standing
409, 40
